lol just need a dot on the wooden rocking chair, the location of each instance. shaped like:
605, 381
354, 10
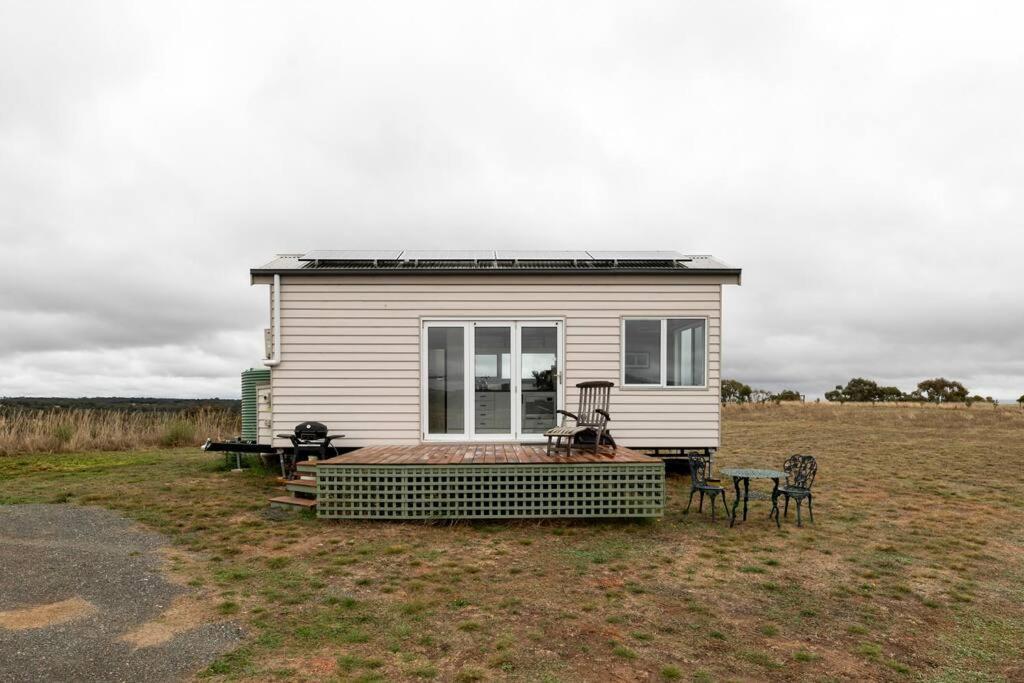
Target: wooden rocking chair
592, 418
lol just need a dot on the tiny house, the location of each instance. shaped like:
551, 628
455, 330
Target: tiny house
418, 347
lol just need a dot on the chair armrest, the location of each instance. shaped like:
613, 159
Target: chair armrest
568, 414
602, 411
711, 479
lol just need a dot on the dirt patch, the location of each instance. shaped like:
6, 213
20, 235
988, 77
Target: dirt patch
114, 572
187, 612
41, 616
182, 616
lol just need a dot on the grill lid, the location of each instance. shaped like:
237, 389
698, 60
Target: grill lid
311, 431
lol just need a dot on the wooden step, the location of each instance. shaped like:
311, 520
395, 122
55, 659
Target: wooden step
291, 503
300, 486
301, 480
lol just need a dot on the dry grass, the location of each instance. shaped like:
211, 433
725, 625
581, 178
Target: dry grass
914, 569
59, 431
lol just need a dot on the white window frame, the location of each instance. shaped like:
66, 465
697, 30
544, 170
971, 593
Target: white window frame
663, 385
467, 401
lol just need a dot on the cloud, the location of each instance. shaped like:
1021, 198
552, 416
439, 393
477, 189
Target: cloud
860, 164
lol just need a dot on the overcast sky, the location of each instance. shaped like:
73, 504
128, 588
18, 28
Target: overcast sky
863, 163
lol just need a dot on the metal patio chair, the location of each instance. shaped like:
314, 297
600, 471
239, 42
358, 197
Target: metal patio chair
800, 471
700, 481
591, 419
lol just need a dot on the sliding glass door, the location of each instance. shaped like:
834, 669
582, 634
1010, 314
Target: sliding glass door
491, 380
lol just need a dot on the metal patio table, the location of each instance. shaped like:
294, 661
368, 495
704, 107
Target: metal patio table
745, 474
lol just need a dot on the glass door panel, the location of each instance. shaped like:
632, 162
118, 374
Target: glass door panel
538, 375
492, 379
446, 380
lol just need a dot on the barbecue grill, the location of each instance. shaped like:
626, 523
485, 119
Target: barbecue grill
309, 439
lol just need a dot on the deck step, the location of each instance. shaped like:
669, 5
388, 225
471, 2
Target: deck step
300, 485
310, 481
291, 503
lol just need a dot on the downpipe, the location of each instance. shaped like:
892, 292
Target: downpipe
276, 358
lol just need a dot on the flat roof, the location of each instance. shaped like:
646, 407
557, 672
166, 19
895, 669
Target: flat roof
392, 261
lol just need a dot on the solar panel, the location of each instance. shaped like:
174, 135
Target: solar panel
505, 255
485, 261
443, 255
353, 255
448, 255
637, 255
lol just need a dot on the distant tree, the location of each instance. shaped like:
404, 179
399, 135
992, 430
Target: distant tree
544, 380
942, 390
1020, 401
787, 395
890, 394
860, 390
126, 404
734, 391
836, 395
760, 395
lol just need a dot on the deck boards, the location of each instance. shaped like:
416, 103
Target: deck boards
482, 454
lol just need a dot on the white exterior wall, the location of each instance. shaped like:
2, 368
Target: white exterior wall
350, 347
264, 415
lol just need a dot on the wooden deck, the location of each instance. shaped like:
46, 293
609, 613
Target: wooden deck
484, 454
488, 480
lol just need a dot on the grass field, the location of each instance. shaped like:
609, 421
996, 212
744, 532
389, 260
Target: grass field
914, 569
69, 430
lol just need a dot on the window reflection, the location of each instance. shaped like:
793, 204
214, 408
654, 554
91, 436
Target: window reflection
539, 367
446, 380
492, 367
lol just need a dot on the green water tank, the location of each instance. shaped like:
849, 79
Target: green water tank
252, 378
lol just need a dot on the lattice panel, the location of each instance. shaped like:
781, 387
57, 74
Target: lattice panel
490, 491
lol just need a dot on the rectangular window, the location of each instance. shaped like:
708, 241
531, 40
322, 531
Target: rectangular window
664, 352
685, 352
643, 352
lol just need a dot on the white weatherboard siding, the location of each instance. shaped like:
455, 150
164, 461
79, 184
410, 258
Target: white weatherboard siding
350, 347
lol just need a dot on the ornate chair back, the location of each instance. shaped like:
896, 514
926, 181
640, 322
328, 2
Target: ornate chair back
800, 471
700, 470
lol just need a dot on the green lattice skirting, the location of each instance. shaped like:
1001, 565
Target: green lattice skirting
490, 491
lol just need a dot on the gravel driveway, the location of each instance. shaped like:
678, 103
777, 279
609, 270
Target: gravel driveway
75, 582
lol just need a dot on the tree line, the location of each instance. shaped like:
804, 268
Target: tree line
861, 390
935, 390
734, 391
125, 404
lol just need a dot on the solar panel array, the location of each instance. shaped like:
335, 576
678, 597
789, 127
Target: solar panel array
491, 261
488, 255
636, 256
353, 255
